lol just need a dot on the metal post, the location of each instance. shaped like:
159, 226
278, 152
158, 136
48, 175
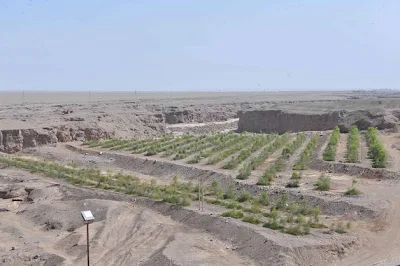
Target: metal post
199, 195
202, 196
87, 243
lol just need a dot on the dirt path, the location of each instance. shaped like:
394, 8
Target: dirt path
341, 152
364, 160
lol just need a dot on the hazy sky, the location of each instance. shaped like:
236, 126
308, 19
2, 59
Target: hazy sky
199, 45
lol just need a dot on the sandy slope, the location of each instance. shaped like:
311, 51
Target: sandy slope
49, 230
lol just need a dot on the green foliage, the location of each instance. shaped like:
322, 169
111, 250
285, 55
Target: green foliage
352, 191
251, 219
307, 154
330, 151
229, 193
244, 172
255, 207
245, 196
294, 230
293, 146
177, 200
338, 228
282, 202
296, 175
259, 142
234, 214
195, 159
323, 183
273, 226
175, 193
264, 199
353, 145
263, 155
243, 142
293, 184
268, 176
376, 151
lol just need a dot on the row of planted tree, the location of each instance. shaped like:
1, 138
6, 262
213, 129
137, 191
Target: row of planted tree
376, 149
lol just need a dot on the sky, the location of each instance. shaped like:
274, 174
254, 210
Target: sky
208, 45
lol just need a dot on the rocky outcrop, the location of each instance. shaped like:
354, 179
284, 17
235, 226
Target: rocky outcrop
279, 121
12, 141
96, 133
363, 119
197, 115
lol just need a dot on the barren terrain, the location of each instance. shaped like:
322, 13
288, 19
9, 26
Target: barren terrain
141, 184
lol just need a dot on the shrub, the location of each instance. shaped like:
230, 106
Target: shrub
293, 184
338, 228
282, 202
255, 207
245, 196
215, 187
330, 151
296, 175
323, 183
376, 149
273, 225
177, 200
229, 193
233, 205
251, 219
293, 146
352, 191
294, 230
195, 159
234, 214
244, 172
264, 199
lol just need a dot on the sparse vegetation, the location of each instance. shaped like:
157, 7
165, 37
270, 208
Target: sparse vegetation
330, 151
245, 196
352, 191
376, 151
259, 142
296, 175
293, 184
271, 172
251, 219
307, 154
234, 214
338, 228
323, 183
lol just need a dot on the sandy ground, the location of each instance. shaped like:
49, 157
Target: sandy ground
209, 97
45, 228
49, 228
129, 234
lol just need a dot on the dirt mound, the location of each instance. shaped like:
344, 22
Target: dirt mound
367, 118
